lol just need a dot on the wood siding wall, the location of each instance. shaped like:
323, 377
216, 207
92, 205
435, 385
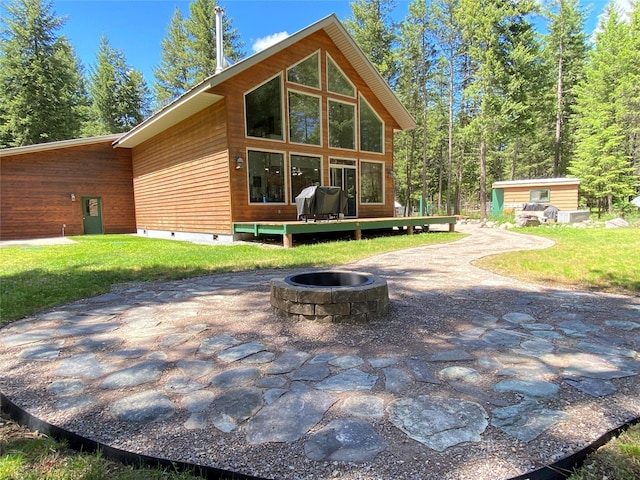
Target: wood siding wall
181, 177
36, 191
238, 143
563, 197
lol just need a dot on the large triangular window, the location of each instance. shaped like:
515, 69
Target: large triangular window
306, 72
337, 82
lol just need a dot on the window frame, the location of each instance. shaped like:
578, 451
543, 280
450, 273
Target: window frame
319, 87
329, 58
355, 125
545, 199
283, 113
321, 120
250, 182
361, 99
290, 168
361, 176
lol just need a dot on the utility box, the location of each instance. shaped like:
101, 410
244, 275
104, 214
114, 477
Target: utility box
573, 216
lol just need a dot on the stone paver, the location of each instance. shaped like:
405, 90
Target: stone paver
269, 393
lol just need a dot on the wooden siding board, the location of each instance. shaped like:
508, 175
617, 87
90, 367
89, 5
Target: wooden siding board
563, 197
36, 191
181, 177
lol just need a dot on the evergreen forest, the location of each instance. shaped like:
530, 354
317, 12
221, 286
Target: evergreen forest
500, 90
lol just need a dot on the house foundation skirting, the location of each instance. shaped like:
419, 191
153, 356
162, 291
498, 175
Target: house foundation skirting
212, 238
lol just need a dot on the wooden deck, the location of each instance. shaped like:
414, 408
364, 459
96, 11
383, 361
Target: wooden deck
288, 229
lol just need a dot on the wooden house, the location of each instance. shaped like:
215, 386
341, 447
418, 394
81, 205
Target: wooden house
241, 145
511, 196
73, 187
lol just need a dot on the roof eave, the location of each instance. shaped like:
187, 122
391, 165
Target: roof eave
536, 182
74, 142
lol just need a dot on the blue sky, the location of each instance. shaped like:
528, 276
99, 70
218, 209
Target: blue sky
138, 26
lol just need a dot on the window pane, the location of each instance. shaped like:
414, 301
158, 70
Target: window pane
263, 108
337, 82
370, 129
92, 207
305, 72
266, 177
304, 118
341, 161
371, 182
542, 195
342, 131
305, 172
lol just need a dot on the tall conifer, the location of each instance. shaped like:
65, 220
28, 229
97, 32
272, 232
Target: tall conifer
42, 93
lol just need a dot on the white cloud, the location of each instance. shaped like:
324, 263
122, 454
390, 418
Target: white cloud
624, 8
265, 42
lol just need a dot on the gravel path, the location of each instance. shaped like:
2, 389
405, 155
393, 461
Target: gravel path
471, 375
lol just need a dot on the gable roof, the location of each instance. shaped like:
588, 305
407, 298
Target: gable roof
199, 98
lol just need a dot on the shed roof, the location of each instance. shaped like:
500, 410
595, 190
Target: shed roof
536, 182
199, 97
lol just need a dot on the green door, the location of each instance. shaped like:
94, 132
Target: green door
92, 215
497, 201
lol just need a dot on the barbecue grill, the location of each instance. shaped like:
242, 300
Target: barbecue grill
321, 203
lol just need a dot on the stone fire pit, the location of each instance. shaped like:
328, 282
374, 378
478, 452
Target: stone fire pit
330, 297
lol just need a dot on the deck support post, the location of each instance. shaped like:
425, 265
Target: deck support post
409, 229
287, 240
452, 227
357, 234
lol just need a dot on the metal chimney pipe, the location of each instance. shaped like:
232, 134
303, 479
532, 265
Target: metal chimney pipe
219, 46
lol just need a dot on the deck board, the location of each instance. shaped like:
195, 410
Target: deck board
288, 229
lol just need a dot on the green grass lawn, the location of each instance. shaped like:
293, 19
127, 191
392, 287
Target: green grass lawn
617, 460
598, 259
40, 277
33, 278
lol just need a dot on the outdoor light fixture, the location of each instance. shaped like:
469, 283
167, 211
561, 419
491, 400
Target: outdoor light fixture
391, 173
73, 197
239, 163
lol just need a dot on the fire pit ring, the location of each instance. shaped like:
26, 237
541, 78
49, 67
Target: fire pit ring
330, 297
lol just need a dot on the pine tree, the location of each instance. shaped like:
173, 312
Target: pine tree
629, 93
42, 92
374, 31
189, 50
602, 162
119, 93
415, 54
492, 30
448, 37
565, 50
174, 75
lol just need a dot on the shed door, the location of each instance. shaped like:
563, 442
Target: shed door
497, 201
92, 215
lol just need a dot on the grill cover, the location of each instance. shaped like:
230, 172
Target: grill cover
318, 201
534, 207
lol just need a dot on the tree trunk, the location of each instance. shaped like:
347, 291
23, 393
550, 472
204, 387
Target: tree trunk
514, 160
408, 173
557, 150
424, 158
450, 139
483, 178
